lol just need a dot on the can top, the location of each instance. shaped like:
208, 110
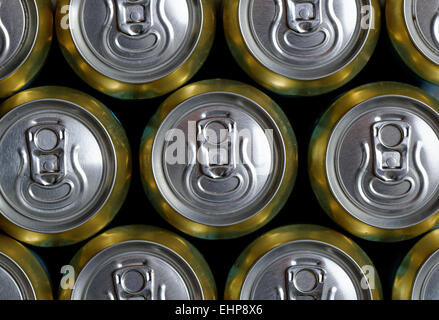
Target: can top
218, 157
425, 286
58, 164
18, 33
137, 270
304, 40
305, 270
381, 157
422, 22
135, 41
15, 284
303, 262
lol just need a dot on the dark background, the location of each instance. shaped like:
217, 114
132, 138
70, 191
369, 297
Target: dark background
302, 206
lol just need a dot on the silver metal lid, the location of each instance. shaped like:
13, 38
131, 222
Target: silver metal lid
426, 284
305, 270
137, 270
229, 160
58, 166
304, 39
14, 283
18, 32
382, 162
135, 41
422, 21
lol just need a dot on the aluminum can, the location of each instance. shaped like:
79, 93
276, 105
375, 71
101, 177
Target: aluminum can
66, 166
25, 37
417, 276
302, 47
22, 275
140, 263
413, 27
135, 49
218, 159
303, 262
373, 161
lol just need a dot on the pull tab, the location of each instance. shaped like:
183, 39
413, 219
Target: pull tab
391, 141
134, 283
134, 16
46, 145
217, 146
304, 16
305, 282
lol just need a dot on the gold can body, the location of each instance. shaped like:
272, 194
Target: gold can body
149, 234
318, 159
282, 236
404, 44
121, 178
34, 60
282, 84
411, 265
126, 90
30, 265
258, 219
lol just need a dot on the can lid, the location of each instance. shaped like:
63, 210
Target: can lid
137, 270
422, 21
15, 284
381, 161
306, 39
18, 33
218, 158
305, 270
58, 165
135, 41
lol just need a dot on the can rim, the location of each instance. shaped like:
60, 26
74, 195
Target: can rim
83, 46
30, 265
159, 167
249, 225
288, 86
34, 61
415, 35
317, 159
32, 45
404, 45
123, 90
122, 167
414, 260
151, 234
243, 21
291, 233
